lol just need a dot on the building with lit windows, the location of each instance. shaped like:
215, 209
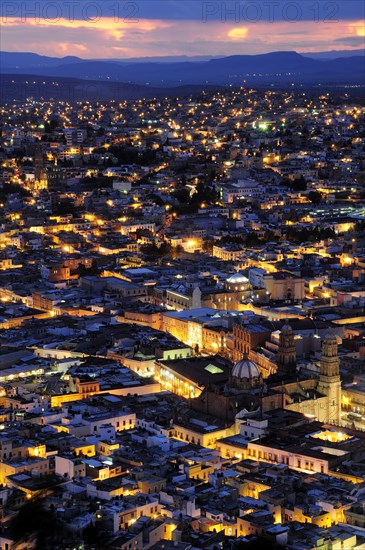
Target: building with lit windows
291, 439
318, 397
229, 252
184, 298
188, 377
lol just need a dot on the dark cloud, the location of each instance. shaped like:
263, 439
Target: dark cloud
350, 40
230, 11
151, 27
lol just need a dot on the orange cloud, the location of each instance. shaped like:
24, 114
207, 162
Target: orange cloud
102, 24
356, 28
238, 33
105, 38
67, 47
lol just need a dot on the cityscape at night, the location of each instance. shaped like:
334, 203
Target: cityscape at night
182, 276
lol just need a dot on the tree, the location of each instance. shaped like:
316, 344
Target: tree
83, 271
232, 239
35, 521
157, 199
176, 251
252, 239
91, 534
203, 193
299, 184
257, 543
208, 245
154, 250
182, 195
315, 197
270, 236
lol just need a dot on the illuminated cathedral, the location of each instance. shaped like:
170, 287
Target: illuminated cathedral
318, 397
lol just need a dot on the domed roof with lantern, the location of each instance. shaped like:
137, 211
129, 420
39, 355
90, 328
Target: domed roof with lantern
237, 278
330, 346
286, 327
245, 374
330, 339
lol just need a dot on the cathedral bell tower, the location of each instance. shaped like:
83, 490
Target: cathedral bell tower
329, 378
287, 355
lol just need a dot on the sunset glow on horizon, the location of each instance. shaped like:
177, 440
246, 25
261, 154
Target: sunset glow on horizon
100, 32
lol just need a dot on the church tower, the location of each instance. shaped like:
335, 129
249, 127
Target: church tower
38, 163
287, 355
40, 180
329, 378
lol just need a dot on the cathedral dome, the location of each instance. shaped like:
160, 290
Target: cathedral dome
330, 346
237, 278
330, 339
245, 369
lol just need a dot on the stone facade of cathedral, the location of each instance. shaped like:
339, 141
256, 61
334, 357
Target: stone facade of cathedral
317, 397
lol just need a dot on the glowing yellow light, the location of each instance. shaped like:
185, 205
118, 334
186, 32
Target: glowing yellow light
237, 33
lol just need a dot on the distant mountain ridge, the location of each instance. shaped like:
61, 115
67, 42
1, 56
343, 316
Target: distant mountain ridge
334, 54
29, 59
13, 60
264, 69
